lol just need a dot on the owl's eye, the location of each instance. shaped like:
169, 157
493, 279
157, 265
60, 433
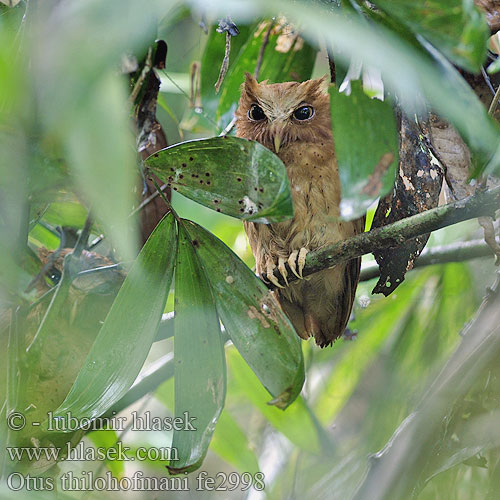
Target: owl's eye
256, 113
303, 113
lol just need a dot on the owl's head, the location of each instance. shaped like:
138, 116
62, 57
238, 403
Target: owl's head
280, 113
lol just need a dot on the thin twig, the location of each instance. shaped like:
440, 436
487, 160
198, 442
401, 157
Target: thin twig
148, 200
182, 91
142, 205
459, 251
83, 238
494, 102
229, 127
225, 63
260, 58
487, 81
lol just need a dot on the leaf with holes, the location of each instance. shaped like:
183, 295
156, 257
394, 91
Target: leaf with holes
234, 176
416, 190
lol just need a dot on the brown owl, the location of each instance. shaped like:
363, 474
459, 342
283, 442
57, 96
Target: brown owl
293, 120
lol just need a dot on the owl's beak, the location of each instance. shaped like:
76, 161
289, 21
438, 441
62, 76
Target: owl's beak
277, 143
278, 130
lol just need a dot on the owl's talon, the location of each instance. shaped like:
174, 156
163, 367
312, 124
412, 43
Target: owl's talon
297, 261
270, 274
282, 269
301, 261
292, 259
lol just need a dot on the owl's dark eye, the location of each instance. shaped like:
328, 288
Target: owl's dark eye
256, 113
303, 113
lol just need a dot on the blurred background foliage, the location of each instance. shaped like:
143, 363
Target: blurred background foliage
67, 144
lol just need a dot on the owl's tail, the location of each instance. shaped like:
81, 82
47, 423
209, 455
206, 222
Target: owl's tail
322, 315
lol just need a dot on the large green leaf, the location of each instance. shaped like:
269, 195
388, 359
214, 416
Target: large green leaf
286, 57
200, 367
227, 174
125, 338
456, 27
253, 319
366, 147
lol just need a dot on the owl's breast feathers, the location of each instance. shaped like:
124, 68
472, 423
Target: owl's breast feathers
321, 304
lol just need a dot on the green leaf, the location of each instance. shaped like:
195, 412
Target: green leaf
200, 367
65, 213
105, 439
42, 236
231, 444
125, 338
227, 174
296, 423
456, 27
375, 324
286, 57
101, 156
59, 301
366, 146
253, 319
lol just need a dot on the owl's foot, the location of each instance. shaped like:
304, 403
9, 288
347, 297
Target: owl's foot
297, 261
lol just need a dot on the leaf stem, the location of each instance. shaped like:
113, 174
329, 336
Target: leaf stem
165, 199
494, 102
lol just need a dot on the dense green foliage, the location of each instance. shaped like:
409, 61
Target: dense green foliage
264, 400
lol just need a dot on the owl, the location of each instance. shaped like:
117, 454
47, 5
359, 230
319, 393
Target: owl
293, 120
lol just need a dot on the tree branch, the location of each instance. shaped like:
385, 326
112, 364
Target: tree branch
454, 252
483, 203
